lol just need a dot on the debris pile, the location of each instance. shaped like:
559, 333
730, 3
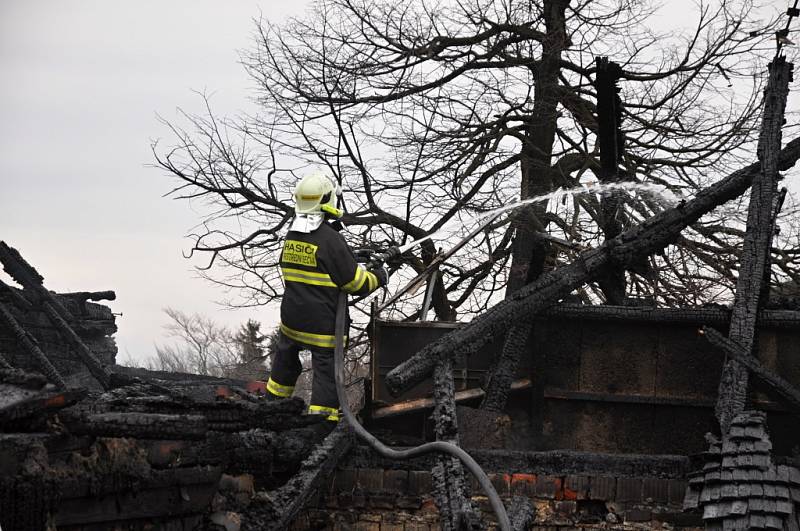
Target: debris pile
168, 453
739, 486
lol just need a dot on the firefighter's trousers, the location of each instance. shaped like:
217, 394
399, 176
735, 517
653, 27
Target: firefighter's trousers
286, 368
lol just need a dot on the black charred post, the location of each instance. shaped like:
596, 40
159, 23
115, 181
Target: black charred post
611, 142
29, 344
632, 245
757, 243
450, 484
735, 352
32, 281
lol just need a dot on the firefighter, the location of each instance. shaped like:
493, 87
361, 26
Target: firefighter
316, 264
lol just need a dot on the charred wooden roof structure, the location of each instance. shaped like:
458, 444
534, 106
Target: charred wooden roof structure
607, 432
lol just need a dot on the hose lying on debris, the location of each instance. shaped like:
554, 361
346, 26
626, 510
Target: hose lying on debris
385, 451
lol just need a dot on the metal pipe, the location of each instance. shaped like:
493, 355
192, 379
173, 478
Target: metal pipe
385, 451
426, 305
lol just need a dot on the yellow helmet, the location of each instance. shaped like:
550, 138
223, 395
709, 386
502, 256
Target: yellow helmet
317, 193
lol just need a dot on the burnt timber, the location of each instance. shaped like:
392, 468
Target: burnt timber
754, 263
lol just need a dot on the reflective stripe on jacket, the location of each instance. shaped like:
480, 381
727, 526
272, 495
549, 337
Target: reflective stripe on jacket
315, 267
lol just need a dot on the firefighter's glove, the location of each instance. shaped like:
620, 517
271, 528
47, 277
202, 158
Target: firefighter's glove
382, 275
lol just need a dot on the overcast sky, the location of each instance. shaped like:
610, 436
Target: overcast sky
81, 85
82, 82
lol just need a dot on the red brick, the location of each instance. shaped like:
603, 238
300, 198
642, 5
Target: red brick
419, 482
370, 479
382, 500
409, 502
501, 482
677, 490
656, 490
344, 480
629, 489
548, 487
345, 500
565, 507
638, 515
359, 500
576, 488
602, 488
523, 484
395, 481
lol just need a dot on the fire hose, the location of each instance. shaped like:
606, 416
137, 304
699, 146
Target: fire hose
391, 453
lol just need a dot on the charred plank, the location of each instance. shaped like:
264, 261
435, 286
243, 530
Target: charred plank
29, 344
286, 502
138, 425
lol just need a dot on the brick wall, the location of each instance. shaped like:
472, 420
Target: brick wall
400, 500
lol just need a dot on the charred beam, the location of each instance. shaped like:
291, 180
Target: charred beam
101, 373
739, 354
15, 297
718, 317
138, 425
25, 274
289, 500
29, 344
652, 235
83, 296
27, 277
502, 377
757, 242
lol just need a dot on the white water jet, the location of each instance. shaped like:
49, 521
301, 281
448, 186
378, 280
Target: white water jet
657, 191
660, 193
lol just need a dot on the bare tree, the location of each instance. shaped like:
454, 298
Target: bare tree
431, 113
203, 346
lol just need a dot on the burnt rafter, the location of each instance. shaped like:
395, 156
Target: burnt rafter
652, 235
29, 344
754, 264
33, 283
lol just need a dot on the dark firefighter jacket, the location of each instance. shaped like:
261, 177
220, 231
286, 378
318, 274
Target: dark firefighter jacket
315, 267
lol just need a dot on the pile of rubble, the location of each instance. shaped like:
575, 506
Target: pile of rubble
176, 454
87, 444
740, 487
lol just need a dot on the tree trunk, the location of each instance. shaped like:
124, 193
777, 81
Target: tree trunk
532, 255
